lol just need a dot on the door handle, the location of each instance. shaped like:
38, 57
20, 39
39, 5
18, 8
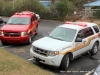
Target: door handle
84, 42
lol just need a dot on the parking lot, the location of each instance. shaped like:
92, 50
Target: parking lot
83, 65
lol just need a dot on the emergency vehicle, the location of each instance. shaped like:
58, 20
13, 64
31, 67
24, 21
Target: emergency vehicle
20, 28
65, 43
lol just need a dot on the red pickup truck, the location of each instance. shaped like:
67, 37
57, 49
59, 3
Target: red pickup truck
20, 28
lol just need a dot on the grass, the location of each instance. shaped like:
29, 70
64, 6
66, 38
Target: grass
97, 22
11, 64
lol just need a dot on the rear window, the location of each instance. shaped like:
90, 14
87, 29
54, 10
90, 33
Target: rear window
88, 32
96, 29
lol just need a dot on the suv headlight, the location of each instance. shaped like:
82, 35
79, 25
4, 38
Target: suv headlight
1, 33
23, 33
53, 53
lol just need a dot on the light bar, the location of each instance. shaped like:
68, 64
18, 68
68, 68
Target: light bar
69, 22
82, 24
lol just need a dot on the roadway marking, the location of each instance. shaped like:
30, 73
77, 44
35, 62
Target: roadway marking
30, 59
90, 72
6, 46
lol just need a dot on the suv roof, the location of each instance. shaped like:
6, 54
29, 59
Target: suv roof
23, 14
77, 25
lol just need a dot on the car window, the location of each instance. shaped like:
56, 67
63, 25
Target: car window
88, 32
35, 17
96, 29
19, 21
80, 34
64, 34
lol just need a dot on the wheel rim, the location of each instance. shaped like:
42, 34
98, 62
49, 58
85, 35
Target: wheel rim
95, 48
67, 62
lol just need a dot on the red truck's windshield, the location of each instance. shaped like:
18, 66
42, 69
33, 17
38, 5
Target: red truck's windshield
19, 21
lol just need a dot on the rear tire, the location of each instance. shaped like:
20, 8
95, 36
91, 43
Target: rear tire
94, 48
65, 62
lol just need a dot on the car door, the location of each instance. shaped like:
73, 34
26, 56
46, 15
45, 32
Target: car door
33, 25
82, 47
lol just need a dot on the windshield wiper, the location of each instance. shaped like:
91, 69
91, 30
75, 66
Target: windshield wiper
10, 23
59, 39
51, 37
56, 38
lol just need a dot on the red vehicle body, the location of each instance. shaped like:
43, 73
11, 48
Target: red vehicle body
20, 28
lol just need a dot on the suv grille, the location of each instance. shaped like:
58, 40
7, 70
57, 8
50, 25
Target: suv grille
12, 34
40, 51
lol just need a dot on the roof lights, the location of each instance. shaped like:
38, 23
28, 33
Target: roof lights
83, 24
24, 13
17, 13
69, 22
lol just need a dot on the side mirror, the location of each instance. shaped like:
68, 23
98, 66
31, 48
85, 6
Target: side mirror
4, 22
32, 22
78, 40
48, 33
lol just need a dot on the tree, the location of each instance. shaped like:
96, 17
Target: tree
64, 8
52, 1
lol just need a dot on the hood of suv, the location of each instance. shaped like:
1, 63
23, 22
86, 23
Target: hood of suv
48, 43
15, 27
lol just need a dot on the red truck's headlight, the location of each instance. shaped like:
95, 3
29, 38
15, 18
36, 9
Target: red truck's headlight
1, 33
23, 33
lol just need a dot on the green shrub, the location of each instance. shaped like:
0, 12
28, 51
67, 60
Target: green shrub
64, 8
96, 14
7, 10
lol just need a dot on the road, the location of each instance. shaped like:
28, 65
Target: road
83, 65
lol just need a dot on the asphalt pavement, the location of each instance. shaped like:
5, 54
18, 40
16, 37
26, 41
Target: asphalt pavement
84, 65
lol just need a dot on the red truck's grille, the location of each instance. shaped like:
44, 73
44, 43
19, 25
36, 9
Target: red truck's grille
12, 34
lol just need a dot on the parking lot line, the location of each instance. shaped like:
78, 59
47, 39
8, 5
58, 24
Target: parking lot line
30, 59
90, 72
5, 46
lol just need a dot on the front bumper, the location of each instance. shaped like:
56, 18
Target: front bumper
49, 60
14, 39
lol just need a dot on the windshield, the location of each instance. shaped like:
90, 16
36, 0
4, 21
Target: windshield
19, 20
64, 34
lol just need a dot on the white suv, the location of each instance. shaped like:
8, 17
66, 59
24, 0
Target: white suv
65, 43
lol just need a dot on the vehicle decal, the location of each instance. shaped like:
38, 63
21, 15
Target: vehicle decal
30, 29
81, 46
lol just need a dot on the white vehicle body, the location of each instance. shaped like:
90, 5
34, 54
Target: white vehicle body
51, 51
38, 17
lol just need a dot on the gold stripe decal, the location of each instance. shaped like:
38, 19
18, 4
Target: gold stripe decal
30, 29
81, 46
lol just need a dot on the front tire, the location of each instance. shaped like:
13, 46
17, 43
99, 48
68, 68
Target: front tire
65, 62
94, 49
36, 31
4, 43
29, 39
